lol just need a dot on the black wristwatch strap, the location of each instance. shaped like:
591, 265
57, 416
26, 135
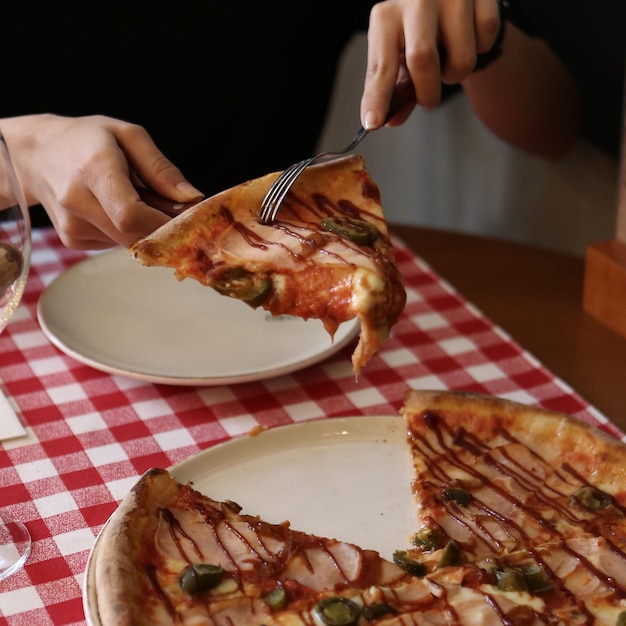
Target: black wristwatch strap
485, 58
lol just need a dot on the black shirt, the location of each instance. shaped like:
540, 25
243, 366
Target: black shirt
232, 90
590, 39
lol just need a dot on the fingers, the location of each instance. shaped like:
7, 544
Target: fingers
102, 218
384, 53
486, 24
433, 41
151, 165
385, 63
116, 205
458, 40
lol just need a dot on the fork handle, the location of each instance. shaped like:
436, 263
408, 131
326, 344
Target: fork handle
403, 93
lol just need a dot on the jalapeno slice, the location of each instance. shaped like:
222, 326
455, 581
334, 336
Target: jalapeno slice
535, 580
591, 498
409, 565
510, 580
338, 611
240, 283
376, 611
276, 599
458, 495
200, 577
427, 539
523, 578
359, 231
451, 555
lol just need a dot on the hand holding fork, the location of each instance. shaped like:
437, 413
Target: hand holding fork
280, 187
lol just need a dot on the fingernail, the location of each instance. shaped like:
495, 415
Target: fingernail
189, 192
370, 120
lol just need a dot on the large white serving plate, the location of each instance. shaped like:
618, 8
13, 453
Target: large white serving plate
118, 316
347, 478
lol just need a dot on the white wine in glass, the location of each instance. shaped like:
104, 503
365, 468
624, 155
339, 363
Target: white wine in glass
15, 248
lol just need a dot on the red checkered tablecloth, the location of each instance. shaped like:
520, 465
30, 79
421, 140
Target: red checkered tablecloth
92, 434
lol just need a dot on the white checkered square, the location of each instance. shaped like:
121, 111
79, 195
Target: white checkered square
429, 321
239, 424
48, 366
75, 541
55, 504
174, 439
67, 393
104, 455
148, 409
36, 470
86, 423
399, 357
366, 397
303, 411
457, 345
485, 372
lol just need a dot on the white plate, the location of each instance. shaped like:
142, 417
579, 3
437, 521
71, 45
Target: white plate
118, 316
347, 478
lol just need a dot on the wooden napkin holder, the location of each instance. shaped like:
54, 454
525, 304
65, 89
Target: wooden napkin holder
604, 292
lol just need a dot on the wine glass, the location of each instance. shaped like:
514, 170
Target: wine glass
15, 248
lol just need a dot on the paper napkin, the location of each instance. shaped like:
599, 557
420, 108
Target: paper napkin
10, 425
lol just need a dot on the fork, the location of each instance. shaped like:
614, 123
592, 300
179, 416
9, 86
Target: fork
281, 186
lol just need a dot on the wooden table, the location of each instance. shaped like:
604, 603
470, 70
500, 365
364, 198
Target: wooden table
535, 295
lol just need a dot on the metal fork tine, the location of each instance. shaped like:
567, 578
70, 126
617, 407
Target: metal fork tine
279, 189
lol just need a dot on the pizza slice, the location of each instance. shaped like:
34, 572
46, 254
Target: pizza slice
531, 502
327, 256
170, 555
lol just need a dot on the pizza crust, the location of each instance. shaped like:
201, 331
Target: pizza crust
120, 596
553, 436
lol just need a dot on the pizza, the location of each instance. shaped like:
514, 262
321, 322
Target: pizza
171, 555
520, 520
327, 256
528, 505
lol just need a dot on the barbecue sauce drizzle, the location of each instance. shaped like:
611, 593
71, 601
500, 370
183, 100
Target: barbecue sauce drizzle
436, 459
307, 231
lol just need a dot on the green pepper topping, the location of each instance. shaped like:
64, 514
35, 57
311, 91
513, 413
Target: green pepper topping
200, 577
276, 599
535, 581
510, 580
409, 565
427, 539
621, 619
451, 555
458, 495
376, 611
591, 498
361, 232
338, 611
239, 283
525, 578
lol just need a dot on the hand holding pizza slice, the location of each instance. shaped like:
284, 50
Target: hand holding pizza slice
327, 255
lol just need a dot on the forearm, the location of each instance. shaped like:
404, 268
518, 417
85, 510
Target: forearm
21, 135
527, 97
